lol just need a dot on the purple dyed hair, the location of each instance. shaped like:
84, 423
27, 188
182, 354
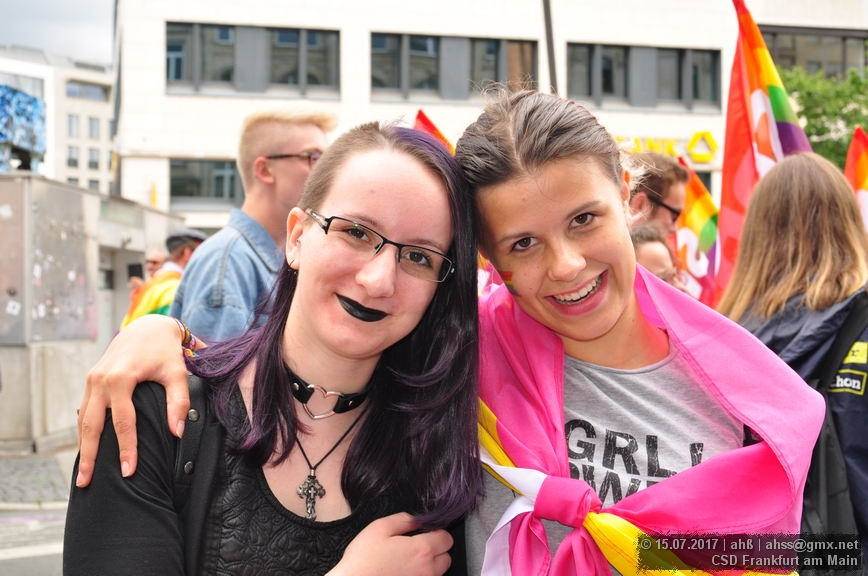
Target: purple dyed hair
419, 439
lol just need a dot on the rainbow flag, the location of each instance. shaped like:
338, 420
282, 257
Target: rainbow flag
154, 297
425, 124
761, 129
696, 238
856, 170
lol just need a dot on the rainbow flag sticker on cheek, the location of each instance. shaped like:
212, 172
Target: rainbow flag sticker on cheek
507, 280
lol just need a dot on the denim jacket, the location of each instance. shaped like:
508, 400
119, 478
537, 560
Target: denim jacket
226, 278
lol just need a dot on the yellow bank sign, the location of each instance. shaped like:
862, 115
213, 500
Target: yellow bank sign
701, 147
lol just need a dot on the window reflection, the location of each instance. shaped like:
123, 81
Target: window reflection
579, 72
284, 56
424, 62
322, 58
668, 74
385, 61
614, 69
218, 53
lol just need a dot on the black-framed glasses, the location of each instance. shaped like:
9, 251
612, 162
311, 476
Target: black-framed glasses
674, 212
311, 157
417, 261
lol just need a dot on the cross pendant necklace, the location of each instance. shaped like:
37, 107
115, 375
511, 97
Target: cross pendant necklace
311, 489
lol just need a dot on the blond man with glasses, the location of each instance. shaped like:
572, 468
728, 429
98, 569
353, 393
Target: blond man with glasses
235, 268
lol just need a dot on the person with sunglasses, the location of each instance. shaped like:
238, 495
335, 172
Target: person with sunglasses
658, 196
350, 409
232, 271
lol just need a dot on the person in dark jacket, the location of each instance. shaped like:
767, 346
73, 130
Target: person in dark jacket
347, 420
799, 278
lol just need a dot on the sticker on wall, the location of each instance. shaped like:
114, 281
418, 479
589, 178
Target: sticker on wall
13, 308
5, 212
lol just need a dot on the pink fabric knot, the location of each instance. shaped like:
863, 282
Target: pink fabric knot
565, 500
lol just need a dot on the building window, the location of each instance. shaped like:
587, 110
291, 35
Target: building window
832, 53
424, 62
218, 53
205, 179
322, 58
316, 50
579, 71
93, 185
72, 156
224, 35
520, 62
669, 62
683, 75
73, 181
386, 61
284, 56
484, 62
87, 91
855, 53
614, 71
93, 128
179, 46
507, 61
93, 159
200, 55
72, 125
705, 71
423, 57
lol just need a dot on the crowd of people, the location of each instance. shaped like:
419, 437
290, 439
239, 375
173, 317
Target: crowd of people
358, 408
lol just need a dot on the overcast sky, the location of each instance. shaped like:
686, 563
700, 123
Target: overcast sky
79, 29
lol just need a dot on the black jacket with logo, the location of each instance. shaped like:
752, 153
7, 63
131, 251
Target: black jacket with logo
802, 338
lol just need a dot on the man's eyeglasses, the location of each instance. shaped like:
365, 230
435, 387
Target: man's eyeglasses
674, 212
417, 261
310, 157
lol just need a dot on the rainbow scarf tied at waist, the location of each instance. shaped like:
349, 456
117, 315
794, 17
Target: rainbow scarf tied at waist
756, 489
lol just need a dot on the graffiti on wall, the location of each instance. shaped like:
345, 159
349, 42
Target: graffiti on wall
22, 123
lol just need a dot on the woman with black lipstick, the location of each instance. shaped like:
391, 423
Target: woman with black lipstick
334, 418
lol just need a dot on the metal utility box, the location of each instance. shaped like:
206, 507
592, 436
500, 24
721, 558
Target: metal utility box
48, 261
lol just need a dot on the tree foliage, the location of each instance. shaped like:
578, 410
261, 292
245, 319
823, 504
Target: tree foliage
828, 109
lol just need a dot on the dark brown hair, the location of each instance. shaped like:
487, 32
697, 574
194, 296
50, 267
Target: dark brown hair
659, 173
519, 132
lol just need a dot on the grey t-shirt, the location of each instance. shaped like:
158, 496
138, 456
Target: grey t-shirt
625, 430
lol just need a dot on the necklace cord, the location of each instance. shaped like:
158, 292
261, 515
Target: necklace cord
346, 433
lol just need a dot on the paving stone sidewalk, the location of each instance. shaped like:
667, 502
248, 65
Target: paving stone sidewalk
32, 481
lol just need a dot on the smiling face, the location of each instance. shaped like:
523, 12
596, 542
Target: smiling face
561, 235
353, 303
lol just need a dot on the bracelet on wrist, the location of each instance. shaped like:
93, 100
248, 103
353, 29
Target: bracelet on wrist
189, 343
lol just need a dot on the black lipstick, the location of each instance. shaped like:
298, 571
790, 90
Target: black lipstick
360, 312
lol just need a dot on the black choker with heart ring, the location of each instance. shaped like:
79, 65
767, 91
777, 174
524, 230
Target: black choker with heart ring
303, 392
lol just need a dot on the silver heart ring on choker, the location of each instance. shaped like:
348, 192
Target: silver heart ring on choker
303, 392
